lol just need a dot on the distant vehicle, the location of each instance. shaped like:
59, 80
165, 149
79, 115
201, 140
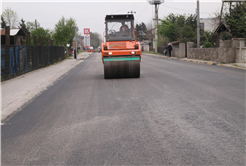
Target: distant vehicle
90, 49
97, 50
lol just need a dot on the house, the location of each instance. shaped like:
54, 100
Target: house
209, 24
223, 32
15, 36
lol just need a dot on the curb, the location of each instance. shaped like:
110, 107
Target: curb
244, 68
202, 62
196, 61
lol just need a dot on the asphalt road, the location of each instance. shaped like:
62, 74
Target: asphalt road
176, 113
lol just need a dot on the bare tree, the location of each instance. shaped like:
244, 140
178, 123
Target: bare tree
30, 25
10, 17
149, 25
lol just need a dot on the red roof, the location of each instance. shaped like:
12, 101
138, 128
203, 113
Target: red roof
2, 31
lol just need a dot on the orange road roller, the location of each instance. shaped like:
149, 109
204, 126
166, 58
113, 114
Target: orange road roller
121, 52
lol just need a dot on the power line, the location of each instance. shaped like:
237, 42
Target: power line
143, 10
183, 9
104, 16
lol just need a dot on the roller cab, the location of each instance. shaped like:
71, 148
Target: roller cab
121, 53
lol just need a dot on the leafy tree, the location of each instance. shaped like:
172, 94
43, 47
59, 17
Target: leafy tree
167, 31
187, 34
208, 39
23, 26
95, 39
10, 17
236, 19
44, 33
141, 31
31, 25
3, 23
177, 27
64, 31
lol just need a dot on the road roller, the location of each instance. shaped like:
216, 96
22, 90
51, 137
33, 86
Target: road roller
121, 52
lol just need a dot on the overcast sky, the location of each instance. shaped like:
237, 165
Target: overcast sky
92, 13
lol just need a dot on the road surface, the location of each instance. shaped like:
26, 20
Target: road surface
176, 113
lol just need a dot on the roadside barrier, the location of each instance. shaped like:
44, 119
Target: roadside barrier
17, 60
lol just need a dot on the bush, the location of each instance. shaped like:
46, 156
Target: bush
225, 36
207, 44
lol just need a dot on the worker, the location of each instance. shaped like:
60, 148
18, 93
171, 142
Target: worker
124, 27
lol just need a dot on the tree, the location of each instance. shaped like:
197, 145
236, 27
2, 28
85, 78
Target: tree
208, 39
44, 33
10, 17
32, 26
23, 26
64, 31
3, 23
236, 19
95, 39
141, 31
187, 34
177, 27
167, 31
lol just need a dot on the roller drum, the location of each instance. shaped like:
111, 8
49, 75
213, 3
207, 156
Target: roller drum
121, 69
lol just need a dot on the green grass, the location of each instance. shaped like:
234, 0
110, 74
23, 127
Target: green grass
238, 65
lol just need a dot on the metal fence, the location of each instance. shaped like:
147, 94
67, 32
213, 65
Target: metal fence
17, 60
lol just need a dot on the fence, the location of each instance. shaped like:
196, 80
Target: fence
17, 60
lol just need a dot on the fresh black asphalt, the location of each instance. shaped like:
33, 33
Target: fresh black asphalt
176, 113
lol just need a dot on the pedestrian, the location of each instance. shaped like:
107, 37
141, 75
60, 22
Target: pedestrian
169, 49
75, 53
165, 52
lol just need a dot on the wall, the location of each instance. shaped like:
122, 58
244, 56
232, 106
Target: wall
175, 52
241, 51
229, 51
145, 48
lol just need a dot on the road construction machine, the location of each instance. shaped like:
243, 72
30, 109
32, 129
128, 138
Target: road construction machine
121, 52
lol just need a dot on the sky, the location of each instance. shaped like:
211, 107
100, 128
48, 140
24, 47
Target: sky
92, 13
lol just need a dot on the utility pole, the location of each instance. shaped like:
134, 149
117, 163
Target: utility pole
36, 24
75, 29
198, 25
156, 23
156, 3
221, 11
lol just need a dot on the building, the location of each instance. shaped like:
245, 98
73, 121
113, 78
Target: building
15, 36
209, 24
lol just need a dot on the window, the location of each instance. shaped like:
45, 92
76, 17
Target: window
202, 25
120, 30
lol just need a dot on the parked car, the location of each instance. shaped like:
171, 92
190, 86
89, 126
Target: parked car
97, 50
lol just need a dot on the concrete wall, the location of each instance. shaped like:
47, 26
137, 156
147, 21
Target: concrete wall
229, 51
145, 48
175, 52
181, 50
240, 51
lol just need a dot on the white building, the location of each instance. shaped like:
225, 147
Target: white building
209, 24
